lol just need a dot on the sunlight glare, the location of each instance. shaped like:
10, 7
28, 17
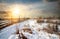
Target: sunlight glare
15, 10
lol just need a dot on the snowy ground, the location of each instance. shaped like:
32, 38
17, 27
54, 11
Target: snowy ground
37, 31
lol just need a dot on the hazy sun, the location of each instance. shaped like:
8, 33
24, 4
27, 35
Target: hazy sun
15, 11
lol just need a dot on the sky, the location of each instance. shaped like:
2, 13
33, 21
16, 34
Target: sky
32, 8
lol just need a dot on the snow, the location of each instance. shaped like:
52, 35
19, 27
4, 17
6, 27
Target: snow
7, 33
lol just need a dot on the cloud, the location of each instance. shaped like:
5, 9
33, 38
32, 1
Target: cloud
48, 9
20, 1
25, 1
38, 9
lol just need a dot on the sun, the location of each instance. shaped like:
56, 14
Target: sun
15, 11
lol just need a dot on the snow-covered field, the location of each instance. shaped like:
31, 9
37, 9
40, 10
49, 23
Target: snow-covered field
30, 29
